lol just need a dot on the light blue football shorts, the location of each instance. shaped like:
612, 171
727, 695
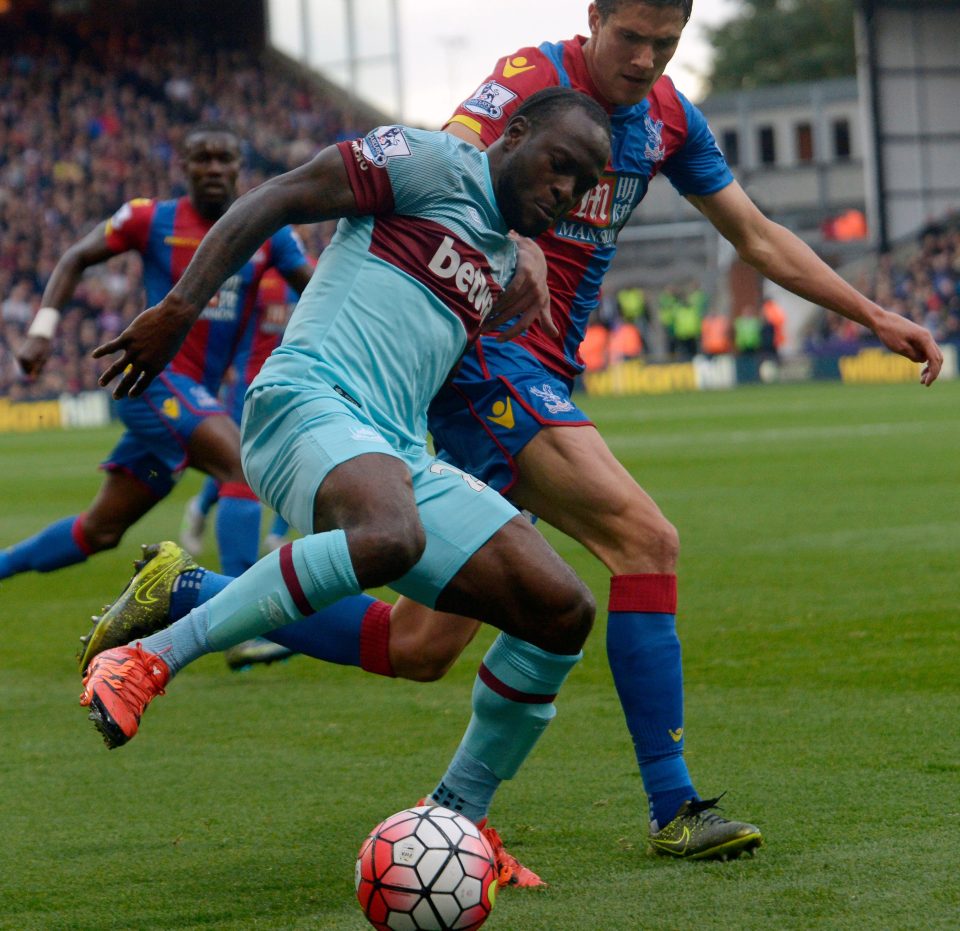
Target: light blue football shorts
294, 436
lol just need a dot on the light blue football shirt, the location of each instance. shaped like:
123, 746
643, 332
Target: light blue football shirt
402, 290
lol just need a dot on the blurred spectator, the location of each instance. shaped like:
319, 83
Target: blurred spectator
593, 349
772, 330
746, 330
625, 342
632, 304
716, 335
667, 301
18, 307
919, 281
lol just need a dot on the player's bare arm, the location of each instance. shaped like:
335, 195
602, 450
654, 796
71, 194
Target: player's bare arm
319, 190
91, 250
527, 295
782, 257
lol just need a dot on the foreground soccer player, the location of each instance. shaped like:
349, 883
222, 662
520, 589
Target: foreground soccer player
334, 429
179, 422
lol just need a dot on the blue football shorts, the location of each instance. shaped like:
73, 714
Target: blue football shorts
292, 439
499, 399
159, 423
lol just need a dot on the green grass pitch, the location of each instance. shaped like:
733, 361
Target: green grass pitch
819, 596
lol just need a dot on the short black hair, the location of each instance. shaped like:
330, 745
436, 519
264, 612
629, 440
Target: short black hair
210, 127
606, 7
538, 108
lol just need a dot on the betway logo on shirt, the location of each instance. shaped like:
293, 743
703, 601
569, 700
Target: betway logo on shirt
457, 274
468, 279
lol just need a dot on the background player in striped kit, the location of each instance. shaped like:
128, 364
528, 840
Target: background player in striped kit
275, 303
179, 422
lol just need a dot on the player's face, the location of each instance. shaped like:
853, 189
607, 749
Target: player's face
212, 165
627, 52
548, 169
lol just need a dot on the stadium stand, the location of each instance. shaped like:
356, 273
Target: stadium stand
920, 279
91, 119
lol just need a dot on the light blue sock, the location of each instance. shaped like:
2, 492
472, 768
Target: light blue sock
294, 581
333, 635
512, 705
61, 544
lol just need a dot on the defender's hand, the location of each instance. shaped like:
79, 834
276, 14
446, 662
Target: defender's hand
907, 338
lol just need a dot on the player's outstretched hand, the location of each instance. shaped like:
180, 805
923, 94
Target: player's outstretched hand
909, 339
147, 345
527, 297
33, 354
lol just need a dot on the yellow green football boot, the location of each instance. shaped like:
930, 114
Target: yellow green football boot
143, 606
256, 652
697, 833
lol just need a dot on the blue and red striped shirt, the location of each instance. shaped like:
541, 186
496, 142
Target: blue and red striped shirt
167, 234
665, 133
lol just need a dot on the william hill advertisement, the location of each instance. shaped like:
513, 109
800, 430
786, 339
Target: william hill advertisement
867, 367
90, 409
876, 367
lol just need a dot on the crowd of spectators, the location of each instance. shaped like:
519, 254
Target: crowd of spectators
90, 121
919, 280
676, 325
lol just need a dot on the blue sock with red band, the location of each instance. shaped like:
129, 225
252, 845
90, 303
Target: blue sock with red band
238, 528
644, 654
61, 544
208, 496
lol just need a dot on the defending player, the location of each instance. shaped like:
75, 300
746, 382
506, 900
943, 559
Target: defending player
179, 422
274, 304
334, 428
508, 416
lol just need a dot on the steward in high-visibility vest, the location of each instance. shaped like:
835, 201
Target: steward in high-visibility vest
746, 331
716, 335
625, 342
632, 303
593, 349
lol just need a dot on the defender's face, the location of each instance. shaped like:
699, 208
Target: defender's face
628, 51
548, 169
212, 165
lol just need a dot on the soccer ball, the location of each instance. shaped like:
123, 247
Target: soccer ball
426, 869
